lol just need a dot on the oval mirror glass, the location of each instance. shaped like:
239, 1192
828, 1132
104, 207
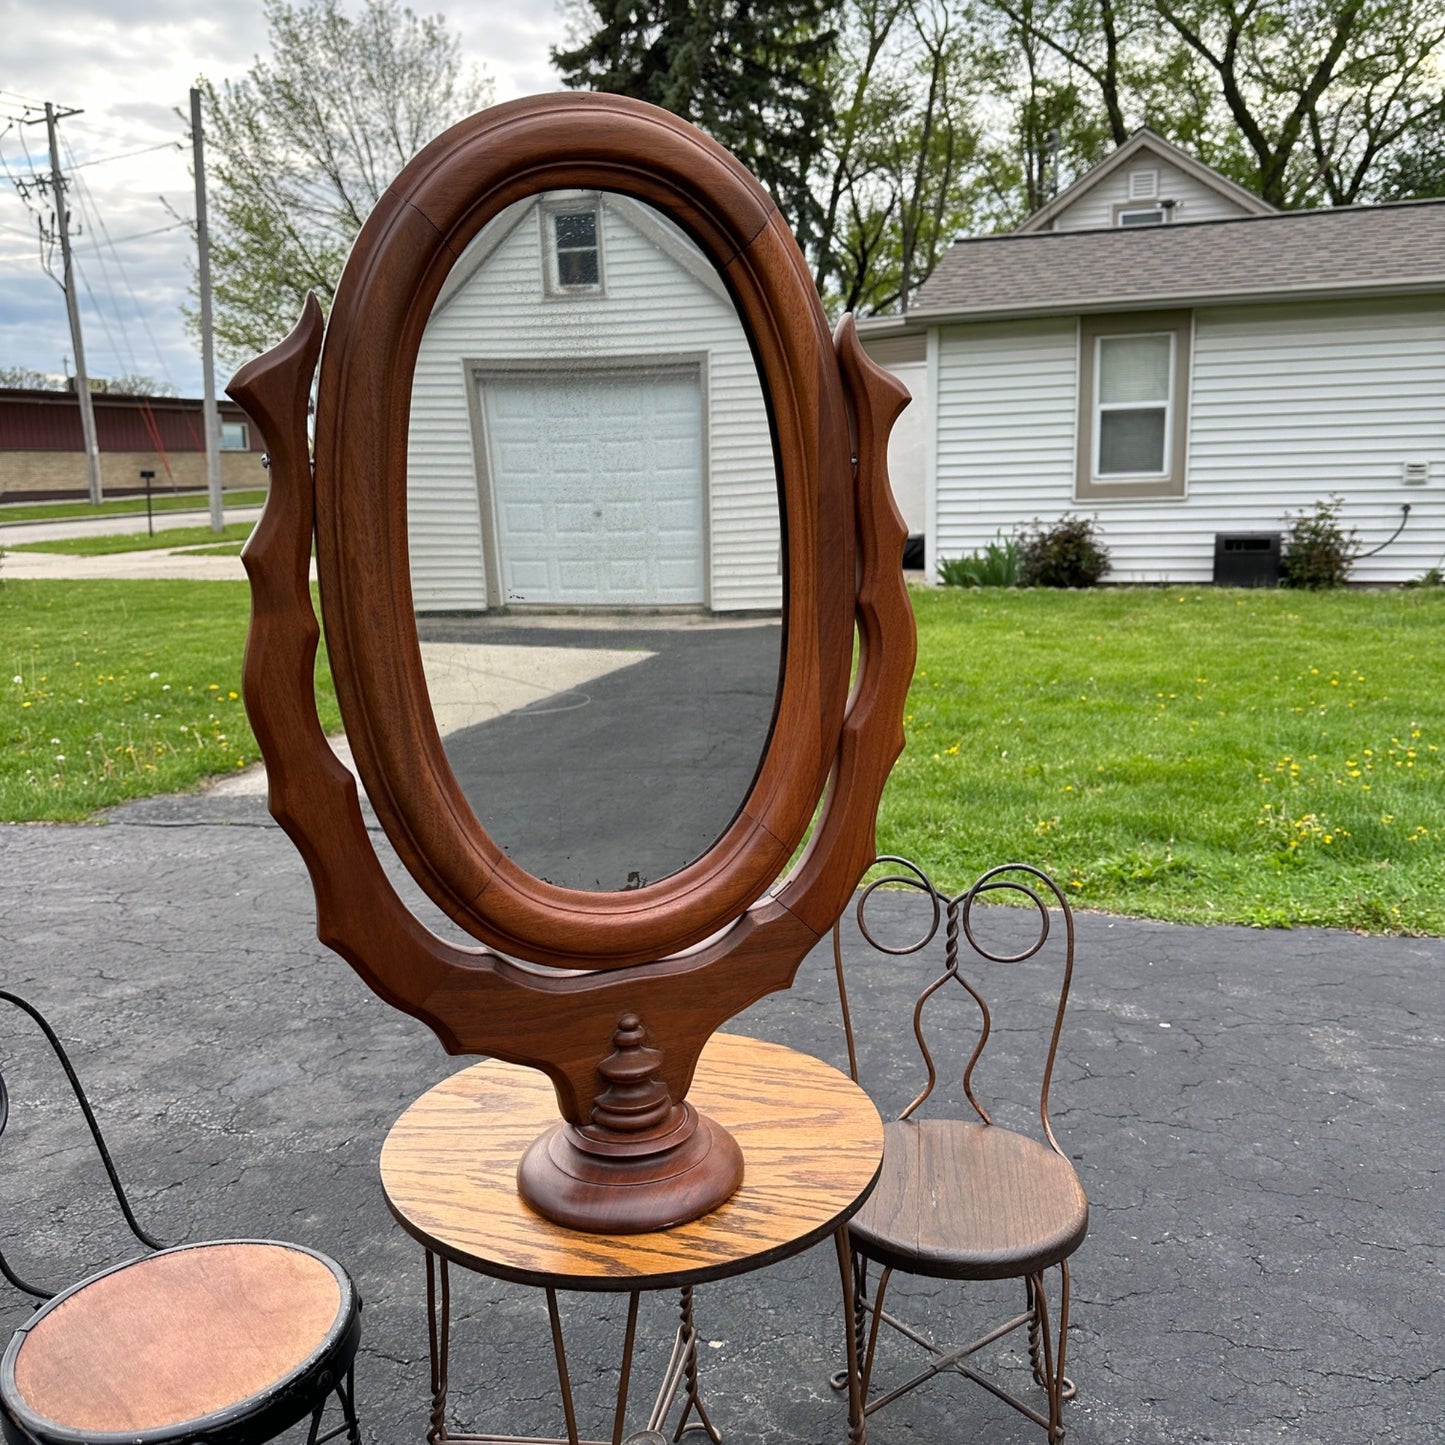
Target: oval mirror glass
594, 541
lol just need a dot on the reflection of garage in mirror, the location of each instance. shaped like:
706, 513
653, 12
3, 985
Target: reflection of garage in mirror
602, 753
587, 428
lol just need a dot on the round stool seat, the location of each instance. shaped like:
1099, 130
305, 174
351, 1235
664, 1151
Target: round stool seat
222, 1341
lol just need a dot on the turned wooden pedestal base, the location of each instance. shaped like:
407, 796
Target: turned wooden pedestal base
642, 1163
605, 1183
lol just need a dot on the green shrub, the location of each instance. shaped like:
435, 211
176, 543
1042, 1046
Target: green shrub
996, 566
1317, 551
1066, 554
1433, 578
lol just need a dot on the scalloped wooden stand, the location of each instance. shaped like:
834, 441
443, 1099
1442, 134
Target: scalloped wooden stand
671, 962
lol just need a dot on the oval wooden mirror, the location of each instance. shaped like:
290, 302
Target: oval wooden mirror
613, 990
595, 541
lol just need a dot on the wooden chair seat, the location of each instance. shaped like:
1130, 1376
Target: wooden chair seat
959, 1199
218, 1342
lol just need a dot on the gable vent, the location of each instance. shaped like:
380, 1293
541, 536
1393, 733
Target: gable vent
1143, 184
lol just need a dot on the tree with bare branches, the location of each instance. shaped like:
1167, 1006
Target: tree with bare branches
300, 149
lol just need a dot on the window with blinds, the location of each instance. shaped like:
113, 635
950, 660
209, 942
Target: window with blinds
1132, 375
1133, 405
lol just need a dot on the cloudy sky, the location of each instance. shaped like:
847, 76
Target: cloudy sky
128, 65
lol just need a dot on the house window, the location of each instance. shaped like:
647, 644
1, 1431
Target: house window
573, 238
235, 436
1133, 396
1131, 416
1141, 215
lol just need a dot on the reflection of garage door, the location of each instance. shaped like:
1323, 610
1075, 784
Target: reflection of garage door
597, 487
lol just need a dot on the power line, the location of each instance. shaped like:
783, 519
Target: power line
83, 190
141, 235
165, 145
83, 203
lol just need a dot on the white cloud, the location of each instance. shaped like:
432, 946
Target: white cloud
127, 65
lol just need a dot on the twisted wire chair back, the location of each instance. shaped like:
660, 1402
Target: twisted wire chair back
954, 914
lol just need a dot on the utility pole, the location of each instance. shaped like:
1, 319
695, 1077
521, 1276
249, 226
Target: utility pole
211, 415
82, 381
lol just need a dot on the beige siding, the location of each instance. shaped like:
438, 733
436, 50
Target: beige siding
1193, 200
653, 306
1289, 404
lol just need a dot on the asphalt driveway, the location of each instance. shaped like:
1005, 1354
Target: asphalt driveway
1257, 1117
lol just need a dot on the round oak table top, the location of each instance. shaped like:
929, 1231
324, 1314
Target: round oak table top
812, 1146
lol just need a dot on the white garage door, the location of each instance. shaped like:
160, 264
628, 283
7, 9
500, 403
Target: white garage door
597, 487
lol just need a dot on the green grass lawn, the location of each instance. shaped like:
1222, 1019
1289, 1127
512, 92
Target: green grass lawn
1205, 755
118, 690
125, 506
1201, 755
111, 542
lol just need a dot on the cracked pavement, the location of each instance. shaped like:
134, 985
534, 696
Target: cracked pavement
1256, 1116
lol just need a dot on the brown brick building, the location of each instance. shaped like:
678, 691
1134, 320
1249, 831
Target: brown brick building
42, 451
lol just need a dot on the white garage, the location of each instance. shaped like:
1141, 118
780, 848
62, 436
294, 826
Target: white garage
587, 425
614, 520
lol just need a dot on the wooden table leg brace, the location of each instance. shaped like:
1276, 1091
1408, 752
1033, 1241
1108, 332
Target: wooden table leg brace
681, 1374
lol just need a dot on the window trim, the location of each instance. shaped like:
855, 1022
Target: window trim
548, 211
1168, 484
1164, 209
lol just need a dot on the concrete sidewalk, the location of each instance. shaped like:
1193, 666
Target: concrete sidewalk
151, 563
1257, 1118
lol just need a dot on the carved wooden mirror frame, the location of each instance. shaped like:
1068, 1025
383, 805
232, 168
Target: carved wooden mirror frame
641, 979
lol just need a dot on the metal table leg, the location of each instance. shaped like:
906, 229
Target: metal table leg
857, 1416
681, 1374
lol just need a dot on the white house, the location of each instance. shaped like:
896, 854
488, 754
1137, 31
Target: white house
1161, 349
587, 423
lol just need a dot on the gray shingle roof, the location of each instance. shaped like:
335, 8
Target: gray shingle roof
1349, 249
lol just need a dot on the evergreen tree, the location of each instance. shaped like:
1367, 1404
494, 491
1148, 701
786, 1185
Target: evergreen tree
752, 73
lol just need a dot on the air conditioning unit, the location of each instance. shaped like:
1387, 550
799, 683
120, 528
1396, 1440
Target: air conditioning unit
1246, 559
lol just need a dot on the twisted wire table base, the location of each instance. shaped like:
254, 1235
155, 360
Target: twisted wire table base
681, 1374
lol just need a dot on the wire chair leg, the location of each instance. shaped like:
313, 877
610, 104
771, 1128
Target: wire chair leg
860, 1309
1035, 1356
348, 1408
871, 1353
1053, 1384
1067, 1387
839, 1378
345, 1392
